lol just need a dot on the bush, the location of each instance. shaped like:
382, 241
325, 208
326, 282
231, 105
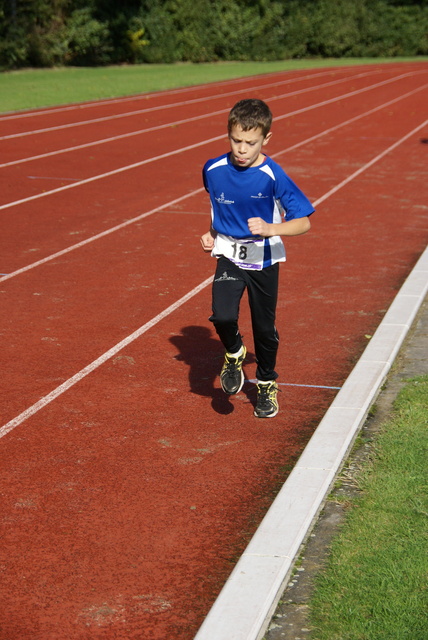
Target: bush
334, 28
97, 32
87, 40
161, 33
47, 48
13, 50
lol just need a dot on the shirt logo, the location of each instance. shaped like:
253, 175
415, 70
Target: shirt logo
223, 200
260, 196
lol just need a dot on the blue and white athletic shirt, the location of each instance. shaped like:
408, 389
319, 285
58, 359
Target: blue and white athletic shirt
237, 194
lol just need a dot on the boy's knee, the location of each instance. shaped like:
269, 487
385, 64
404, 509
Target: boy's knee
224, 319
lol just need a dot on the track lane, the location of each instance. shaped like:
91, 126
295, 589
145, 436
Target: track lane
117, 274
14, 146
47, 166
51, 171
21, 221
101, 489
62, 292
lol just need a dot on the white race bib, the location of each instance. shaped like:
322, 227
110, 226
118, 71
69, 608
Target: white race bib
246, 253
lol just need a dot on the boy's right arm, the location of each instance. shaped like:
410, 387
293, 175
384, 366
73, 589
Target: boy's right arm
207, 240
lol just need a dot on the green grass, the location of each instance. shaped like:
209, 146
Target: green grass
33, 88
375, 585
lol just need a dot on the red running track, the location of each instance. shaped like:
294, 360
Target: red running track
130, 483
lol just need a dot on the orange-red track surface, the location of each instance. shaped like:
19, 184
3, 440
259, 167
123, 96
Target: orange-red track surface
129, 483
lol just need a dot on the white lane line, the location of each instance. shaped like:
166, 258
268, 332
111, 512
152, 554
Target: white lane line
354, 119
101, 360
148, 325
181, 150
107, 232
77, 106
201, 190
371, 163
110, 173
122, 136
185, 103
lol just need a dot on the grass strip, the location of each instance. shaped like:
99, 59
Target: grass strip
375, 584
35, 88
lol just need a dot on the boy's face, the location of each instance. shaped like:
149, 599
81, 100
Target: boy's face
246, 146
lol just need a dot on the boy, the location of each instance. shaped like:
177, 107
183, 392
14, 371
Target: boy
253, 204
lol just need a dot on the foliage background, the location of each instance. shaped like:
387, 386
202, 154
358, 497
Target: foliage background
47, 33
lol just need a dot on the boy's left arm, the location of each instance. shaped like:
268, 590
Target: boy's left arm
295, 227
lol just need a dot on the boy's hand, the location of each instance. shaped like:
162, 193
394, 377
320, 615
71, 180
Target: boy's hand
207, 241
259, 227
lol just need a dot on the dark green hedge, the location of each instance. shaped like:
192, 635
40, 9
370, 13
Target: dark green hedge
97, 32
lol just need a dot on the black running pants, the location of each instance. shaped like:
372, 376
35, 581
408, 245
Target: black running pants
228, 287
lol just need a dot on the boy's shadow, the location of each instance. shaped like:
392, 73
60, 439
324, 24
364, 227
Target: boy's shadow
204, 355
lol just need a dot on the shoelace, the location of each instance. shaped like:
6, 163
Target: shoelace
231, 366
265, 393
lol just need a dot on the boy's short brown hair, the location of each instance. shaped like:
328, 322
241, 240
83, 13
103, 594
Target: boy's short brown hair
250, 114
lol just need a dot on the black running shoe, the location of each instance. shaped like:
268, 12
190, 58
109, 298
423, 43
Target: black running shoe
232, 376
267, 403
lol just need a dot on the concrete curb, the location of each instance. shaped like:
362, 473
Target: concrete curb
245, 606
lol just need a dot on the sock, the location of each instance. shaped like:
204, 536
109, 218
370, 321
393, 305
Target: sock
238, 353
